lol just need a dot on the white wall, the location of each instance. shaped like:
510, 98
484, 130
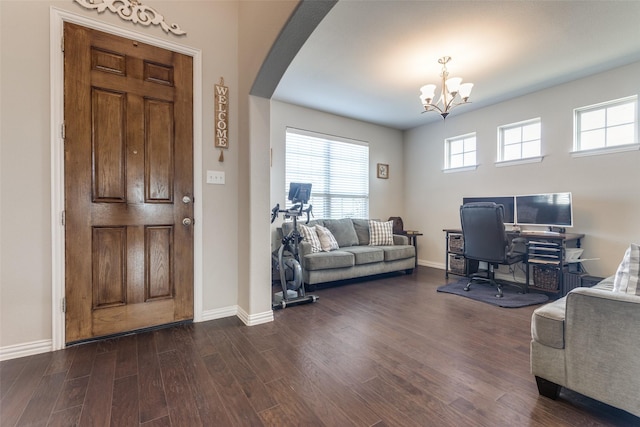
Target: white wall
606, 189
385, 146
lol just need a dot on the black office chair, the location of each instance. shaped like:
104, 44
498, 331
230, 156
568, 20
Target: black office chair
485, 239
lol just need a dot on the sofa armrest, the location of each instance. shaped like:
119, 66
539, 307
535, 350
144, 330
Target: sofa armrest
399, 239
304, 248
601, 344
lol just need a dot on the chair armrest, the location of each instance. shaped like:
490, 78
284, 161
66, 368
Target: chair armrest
304, 248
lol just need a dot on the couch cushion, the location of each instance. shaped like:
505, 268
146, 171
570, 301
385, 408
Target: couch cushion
380, 233
547, 324
328, 260
362, 230
366, 254
628, 274
343, 231
392, 253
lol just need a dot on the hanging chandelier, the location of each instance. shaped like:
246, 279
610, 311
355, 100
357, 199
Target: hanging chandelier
453, 93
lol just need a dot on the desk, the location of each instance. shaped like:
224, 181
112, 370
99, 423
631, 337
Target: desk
546, 252
413, 237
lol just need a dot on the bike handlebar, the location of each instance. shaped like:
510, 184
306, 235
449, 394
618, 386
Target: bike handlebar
296, 210
274, 212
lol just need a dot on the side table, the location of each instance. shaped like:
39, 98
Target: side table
413, 237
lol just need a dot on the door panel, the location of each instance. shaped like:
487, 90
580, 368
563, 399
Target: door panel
128, 163
109, 145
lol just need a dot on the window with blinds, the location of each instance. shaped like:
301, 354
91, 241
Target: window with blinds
337, 168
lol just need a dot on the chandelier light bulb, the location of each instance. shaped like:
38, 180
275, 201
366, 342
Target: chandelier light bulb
452, 93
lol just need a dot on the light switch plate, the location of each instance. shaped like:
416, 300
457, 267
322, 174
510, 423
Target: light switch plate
215, 177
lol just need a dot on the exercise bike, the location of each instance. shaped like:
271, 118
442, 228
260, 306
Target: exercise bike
287, 256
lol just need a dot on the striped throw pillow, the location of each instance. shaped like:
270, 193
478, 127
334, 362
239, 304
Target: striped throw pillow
309, 235
380, 233
626, 279
327, 241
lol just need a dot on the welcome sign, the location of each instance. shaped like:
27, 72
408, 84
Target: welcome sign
221, 116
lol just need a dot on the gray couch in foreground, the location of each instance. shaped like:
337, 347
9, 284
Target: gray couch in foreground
589, 342
355, 257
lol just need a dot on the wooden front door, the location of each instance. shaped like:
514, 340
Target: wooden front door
128, 184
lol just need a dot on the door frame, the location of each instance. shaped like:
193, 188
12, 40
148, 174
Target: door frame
57, 19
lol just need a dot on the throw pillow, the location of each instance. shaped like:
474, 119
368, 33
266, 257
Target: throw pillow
362, 230
380, 233
327, 241
309, 235
626, 279
343, 231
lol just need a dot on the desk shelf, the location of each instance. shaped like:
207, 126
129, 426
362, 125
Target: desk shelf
546, 259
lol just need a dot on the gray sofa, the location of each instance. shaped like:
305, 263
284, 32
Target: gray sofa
355, 257
589, 342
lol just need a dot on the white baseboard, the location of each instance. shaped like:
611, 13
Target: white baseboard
249, 320
255, 319
219, 313
432, 264
25, 349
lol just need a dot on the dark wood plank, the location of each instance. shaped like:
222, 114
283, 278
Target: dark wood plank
42, 401
124, 407
250, 382
164, 340
19, 394
82, 360
153, 404
61, 361
127, 359
96, 410
235, 401
10, 370
72, 394
182, 407
206, 394
65, 418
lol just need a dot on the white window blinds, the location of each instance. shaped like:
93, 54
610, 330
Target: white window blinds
337, 168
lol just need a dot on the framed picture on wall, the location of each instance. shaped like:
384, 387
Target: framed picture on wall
383, 171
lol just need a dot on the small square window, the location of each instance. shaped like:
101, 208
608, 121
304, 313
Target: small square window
607, 125
460, 151
518, 141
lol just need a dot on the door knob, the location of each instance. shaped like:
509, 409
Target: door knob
187, 222
186, 200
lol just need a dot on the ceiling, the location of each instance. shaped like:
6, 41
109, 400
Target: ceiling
368, 59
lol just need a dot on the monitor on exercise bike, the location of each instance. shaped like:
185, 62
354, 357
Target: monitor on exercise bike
299, 192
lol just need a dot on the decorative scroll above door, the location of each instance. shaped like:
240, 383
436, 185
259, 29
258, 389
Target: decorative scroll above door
134, 11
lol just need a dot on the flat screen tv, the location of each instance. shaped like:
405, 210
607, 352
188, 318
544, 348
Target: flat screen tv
551, 210
508, 202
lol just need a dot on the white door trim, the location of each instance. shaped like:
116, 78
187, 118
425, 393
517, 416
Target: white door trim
57, 19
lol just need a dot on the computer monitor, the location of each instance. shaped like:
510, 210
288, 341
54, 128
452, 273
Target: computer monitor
551, 210
508, 202
299, 192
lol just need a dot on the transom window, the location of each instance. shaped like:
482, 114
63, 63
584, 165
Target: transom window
337, 168
460, 151
607, 125
520, 140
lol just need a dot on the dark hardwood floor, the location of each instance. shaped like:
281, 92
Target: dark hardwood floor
387, 352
